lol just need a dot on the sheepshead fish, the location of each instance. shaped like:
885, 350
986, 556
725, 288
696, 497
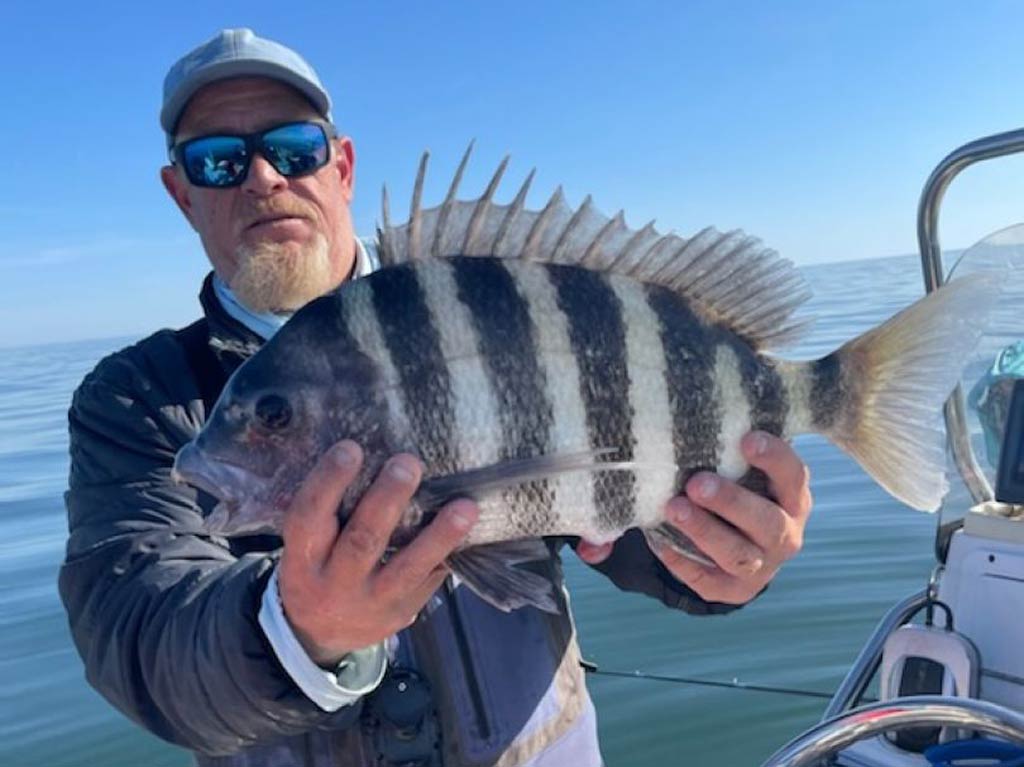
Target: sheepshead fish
569, 374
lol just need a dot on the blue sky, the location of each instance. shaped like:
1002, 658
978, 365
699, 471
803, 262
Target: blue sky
812, 125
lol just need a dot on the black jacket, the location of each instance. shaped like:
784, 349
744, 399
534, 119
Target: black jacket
165, 615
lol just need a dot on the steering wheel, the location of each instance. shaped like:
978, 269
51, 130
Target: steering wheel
833, 735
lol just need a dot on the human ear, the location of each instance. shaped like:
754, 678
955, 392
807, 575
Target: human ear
177, 188
345, 163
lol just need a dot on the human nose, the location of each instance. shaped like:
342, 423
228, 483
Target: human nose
263, 178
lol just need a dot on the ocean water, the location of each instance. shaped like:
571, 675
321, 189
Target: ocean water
863, 551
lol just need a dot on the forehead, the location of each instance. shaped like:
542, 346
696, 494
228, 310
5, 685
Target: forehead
242, 105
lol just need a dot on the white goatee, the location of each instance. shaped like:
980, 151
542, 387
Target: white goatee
282, 277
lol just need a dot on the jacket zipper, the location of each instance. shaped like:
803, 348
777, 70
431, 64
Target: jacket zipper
475, 694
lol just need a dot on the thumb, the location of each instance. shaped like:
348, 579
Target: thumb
594, 553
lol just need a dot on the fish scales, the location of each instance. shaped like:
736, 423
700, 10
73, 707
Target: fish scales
518, 383
414, 347
649, 401
498, 390
826, 392
735, 402
767, 391
597, 336
689, 355
573, 492
477, 434
360, 320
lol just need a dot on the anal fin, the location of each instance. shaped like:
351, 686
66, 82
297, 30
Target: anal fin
491, 572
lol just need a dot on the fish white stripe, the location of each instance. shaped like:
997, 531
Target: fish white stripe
735, 411
573, 494
649, 398
796, 382
361, 320
477, 426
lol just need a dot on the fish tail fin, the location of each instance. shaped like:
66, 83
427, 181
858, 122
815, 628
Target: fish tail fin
880, 396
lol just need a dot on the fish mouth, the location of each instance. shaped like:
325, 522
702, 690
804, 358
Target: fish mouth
235, 487
224, 481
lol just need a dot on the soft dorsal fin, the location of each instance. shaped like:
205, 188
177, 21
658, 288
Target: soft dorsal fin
728, 277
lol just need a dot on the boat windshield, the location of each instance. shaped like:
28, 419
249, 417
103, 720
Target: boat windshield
999, 359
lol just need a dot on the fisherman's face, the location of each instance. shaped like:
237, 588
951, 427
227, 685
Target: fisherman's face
278, 242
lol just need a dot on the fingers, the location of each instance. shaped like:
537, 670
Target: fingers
335, 593
788, 476
311, 523
418, 598
418, 562
360, 546
746, 535
757, 518
733, 551
711, 584
777, 528
594, 553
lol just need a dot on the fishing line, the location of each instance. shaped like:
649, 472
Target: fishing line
592, 668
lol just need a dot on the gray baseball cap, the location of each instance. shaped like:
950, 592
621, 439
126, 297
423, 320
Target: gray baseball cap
237, 53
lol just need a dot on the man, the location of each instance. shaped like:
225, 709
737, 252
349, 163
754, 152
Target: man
307, 649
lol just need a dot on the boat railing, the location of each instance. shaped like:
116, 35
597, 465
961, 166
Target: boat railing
955, 162
832, 736
853, 686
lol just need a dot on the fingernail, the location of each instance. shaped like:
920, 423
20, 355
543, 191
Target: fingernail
680, 511
345, 454
463, 517
751, 566
398, 469
707, 486
758, 442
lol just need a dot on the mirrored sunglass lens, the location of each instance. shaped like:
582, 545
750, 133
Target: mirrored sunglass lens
296, 149
215, 161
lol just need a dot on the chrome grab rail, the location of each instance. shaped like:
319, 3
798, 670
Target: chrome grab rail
832, 736
986, 148
864, 667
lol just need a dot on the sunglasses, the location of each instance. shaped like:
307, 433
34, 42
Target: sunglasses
222, 161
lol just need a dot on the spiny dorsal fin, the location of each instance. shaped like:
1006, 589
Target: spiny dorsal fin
729, 278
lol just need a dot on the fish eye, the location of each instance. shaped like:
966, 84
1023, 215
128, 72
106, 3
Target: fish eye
273, 411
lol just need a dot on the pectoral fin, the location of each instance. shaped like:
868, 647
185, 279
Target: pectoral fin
437, 491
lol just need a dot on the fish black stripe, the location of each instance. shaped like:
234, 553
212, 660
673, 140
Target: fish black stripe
415, 347
764, 388
827, 394
597, 335
507, 343
769, 405
502, 322
690, 364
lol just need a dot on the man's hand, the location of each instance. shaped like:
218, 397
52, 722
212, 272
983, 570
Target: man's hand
336, 594
760, 536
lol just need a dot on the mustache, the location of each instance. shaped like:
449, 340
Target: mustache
257, 211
